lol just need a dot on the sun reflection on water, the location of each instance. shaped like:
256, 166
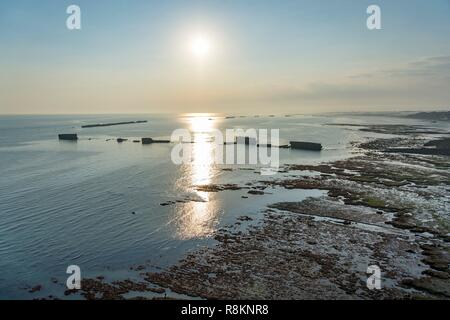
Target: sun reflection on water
197, 219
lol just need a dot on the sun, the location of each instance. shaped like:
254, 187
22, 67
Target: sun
200, 46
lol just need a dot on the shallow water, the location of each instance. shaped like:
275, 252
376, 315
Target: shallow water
97, 203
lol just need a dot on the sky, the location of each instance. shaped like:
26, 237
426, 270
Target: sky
291, 56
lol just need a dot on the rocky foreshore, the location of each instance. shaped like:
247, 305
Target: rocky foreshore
375, 213
384, 209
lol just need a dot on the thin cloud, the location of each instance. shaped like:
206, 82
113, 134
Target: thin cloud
437, 67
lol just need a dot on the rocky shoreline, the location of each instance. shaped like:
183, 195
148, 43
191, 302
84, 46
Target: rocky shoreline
384, 209
320, 248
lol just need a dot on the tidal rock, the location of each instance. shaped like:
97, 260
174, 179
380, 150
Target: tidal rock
69, 137
306, 145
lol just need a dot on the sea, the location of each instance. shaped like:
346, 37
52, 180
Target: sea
107, 206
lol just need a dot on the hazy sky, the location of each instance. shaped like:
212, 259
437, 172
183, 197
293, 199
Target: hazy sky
265, 56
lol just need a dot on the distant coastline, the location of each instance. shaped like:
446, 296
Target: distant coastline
437, 115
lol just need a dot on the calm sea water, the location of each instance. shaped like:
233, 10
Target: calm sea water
65, 203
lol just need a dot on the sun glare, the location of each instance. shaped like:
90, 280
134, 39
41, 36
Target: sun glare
200, 46
201, 124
